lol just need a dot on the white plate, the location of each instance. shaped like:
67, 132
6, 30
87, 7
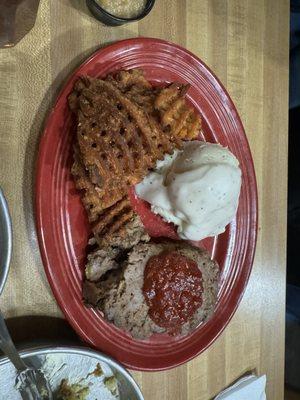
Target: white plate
74, 364
5, 240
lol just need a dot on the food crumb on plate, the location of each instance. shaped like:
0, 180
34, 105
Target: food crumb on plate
73, 391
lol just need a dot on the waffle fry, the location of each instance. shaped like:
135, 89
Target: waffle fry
124, 126
176, 116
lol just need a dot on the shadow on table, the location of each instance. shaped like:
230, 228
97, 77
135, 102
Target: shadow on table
291, 394
31, 331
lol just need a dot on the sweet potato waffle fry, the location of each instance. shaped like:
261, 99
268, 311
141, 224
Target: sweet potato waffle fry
176, 116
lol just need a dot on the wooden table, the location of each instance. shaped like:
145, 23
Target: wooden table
246, 45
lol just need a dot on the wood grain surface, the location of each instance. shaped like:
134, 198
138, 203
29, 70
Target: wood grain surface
245, 42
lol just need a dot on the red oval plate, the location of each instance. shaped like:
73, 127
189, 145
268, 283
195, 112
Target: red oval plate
61, 221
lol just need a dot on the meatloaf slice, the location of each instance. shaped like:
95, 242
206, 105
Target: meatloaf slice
120, 297
110, 256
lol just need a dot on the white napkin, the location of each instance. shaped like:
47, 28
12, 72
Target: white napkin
249, 387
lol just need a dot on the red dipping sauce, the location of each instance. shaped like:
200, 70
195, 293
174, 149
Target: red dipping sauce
172, 289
